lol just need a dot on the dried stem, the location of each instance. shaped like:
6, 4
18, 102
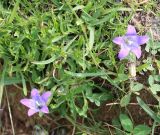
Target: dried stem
10, 114
116, 103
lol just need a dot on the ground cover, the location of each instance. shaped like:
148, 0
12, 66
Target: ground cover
97, 59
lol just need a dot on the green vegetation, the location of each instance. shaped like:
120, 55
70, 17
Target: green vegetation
65, 46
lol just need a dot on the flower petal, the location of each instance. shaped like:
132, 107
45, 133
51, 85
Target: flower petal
142, 39
44, 109
30, 103
123, 52
34, 92
36, 96
118, 40
46, 95
31, 112
137, 51
131, 30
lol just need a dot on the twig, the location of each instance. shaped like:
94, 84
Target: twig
10, 115
145, 1
109, 130
109, 125
153, 127
110, 104
74, 128
17, 86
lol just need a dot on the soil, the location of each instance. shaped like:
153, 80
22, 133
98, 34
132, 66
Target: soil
25, 125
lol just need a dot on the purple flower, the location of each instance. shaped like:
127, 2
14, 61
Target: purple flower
130, 42
37, 103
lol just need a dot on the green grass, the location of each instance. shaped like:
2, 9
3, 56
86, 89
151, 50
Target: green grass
66, 47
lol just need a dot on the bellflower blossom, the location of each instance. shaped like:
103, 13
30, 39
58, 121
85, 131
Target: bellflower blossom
130, 42
37, 103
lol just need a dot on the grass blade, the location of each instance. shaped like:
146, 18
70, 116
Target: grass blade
148, 110
83, 75
14, 12
2, 84
13, 80
24, 85
45, 61
91, 38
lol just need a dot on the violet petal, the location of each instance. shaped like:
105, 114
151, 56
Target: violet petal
118, 40
123, 53
131, 30
30, 103
142, 39
46, 95
31, 112
137, 51
44, 109
34, 92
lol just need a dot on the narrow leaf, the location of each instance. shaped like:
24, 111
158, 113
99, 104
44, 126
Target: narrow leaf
45, 62
13, 80
2, 83
91, 38
148, 110
24, 85
14, 12
83, 75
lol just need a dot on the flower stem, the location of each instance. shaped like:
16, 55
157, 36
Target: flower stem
132, 69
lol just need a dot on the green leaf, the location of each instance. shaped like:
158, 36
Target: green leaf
141, 130
117, 124
157, 78
97, 98
69, 43
148, 110
83, 75
155, 88
100, 21
57, 38
158, 63
12, 80
91, 38
45, 62
24, 85
151, 80
2, 83
126, 122
83, 111
137, 87
142, 67
14, 12
125, 100
121, 78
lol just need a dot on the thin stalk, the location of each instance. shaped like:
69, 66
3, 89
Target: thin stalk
153, 127
10, 114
